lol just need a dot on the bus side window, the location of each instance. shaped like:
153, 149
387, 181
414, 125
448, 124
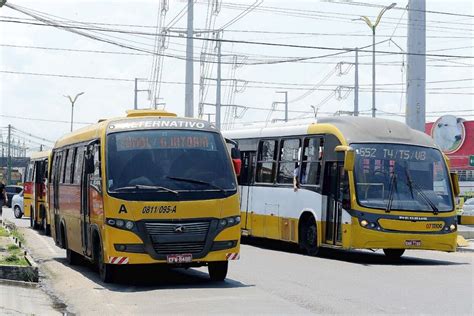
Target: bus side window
312, 156
266, 162
69, 166
289, 161
78, 165
29, 172
63, 166
96, 178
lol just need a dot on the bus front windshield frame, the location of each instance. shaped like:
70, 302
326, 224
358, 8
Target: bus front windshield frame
396, 177
162, 164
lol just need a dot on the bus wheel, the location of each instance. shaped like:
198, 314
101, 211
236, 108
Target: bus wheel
72, 257
106, 271
218, 270
17, 212
394, 253
309, 236
31, 218
45, 226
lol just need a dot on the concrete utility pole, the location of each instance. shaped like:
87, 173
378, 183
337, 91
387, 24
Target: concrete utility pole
9, 157
416, 65
189, 93
356, 83
218, 88
286, 104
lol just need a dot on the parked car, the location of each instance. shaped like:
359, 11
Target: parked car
468, 207
11, 191
17, 205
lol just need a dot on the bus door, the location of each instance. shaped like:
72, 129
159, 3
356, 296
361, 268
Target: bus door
56, 175
86, 188
245, 182
334, 173
39, 190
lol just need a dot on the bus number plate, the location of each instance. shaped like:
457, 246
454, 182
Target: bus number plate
184, 258
416, 243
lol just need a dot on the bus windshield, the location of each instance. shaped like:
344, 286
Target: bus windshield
402, 177
167, 161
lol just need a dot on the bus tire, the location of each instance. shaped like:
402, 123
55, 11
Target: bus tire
106, 271
72, 257
45, 227
393, 254
17, 212
308, 235
218, 270
31, 218
62, 238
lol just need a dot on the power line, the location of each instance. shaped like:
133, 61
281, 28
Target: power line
271, 44
42, 120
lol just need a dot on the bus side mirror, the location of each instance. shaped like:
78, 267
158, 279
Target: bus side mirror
455, 181
236, 161
349, 156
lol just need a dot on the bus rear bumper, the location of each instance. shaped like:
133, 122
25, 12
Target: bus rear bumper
362, 238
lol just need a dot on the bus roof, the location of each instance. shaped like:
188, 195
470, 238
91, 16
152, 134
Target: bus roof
135, 119
348, 129
38, 155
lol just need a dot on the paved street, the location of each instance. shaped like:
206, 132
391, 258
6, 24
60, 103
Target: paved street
270, 278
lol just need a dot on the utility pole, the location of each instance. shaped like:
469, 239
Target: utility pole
218, 88
9, 157
286, 104
356, 83
189, 93
416, 65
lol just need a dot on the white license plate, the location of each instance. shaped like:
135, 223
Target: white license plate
416, 243
184, 258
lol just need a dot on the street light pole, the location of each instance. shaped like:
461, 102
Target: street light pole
373, 27
73, 100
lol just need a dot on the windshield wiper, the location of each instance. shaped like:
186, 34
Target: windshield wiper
393, 184
196, 181
411, 184
145, 187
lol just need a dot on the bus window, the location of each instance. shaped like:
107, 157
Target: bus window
289, 157
266, 163
63, 166
69, 166
312, 156
248, 167
78, 165
96, 178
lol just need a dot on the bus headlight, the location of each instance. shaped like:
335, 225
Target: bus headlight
452, 227
121, 224
363, 223
129, 225
229, 222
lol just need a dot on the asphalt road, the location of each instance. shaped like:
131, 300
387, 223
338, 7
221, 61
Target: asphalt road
270, 278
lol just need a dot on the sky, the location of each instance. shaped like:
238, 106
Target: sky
36, 107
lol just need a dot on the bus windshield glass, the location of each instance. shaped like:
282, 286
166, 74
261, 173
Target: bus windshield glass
168, 161
401, 177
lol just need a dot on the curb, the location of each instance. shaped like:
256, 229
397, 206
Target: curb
19, 283
19, 273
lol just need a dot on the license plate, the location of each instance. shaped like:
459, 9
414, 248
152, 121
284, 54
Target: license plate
413, 243
184, 258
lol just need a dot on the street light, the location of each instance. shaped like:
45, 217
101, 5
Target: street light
315, 110
72, 105
373, 27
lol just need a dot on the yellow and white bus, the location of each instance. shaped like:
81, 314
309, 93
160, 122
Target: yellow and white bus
35, 196
347, 182
147, 188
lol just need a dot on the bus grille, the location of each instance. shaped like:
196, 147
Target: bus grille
170, 228
178, 238
179, 247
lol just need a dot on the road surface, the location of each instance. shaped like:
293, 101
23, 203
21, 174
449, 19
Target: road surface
270, 278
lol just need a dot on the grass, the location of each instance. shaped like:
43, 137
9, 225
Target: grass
18, 235
3, 232
14, 260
